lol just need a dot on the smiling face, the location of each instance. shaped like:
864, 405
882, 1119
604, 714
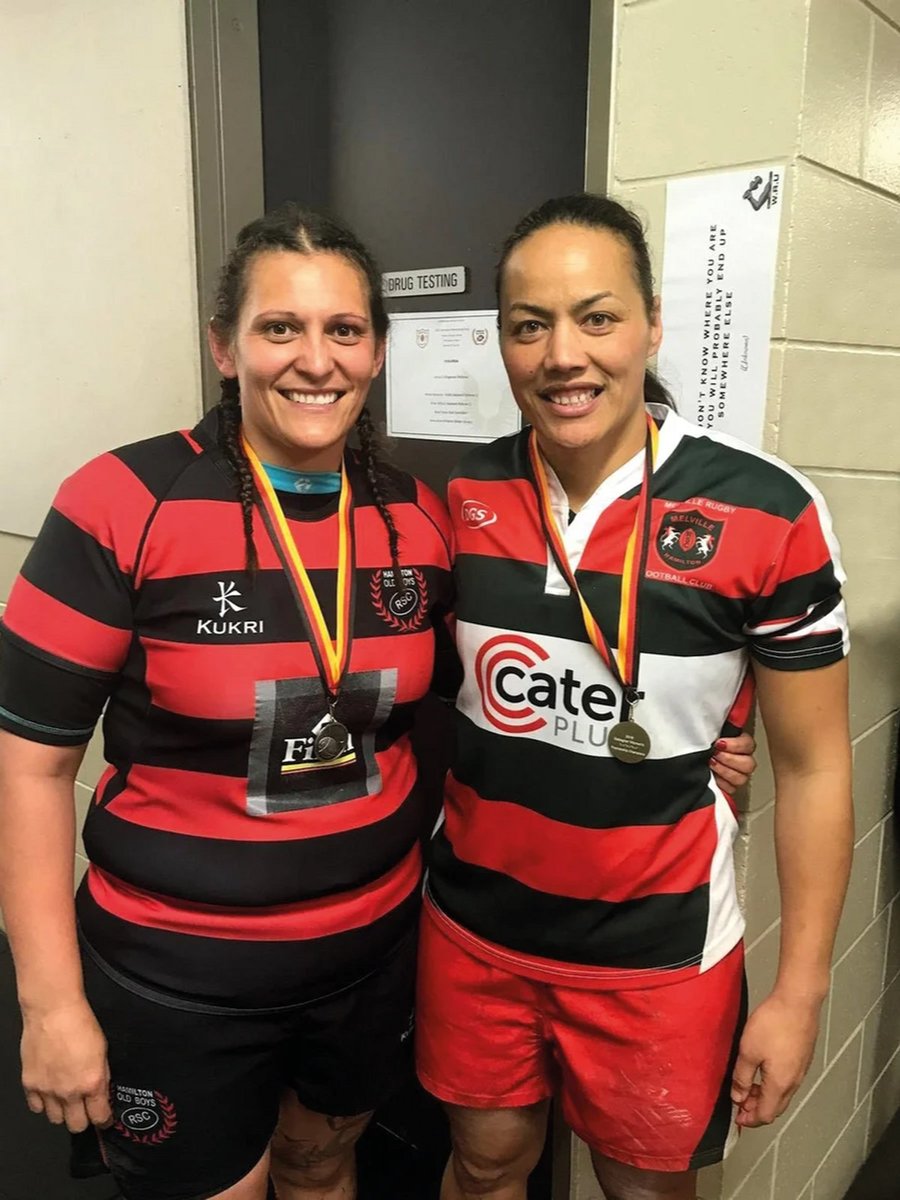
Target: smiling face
304, 353
575, 336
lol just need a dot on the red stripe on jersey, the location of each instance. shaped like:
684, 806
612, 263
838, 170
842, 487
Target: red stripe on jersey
84, 499
154, 799
192, 442
215, 681
742, 707
804, 552
57, 629
196, 537
484, 511
412, 654
281, 922
417, 543
613, 865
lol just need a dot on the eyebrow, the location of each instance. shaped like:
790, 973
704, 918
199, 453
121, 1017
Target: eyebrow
280, 313
546, 313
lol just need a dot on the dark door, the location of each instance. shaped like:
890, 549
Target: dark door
430, 127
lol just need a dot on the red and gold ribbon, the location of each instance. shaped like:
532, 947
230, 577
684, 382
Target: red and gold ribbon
623, 662
332, 653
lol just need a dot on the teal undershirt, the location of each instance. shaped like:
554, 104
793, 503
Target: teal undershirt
303, 483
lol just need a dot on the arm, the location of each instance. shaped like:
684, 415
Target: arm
805, 714
64, 1070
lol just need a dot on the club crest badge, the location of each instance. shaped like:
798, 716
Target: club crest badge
143, 1114
687, 539
401, 603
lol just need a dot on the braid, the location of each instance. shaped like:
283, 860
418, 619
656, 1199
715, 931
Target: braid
368, 446
230, 443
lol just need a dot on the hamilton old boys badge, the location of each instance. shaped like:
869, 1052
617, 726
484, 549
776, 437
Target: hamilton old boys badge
143, 1114
402, 602
687, 539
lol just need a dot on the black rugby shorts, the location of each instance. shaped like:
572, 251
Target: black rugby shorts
195, 1091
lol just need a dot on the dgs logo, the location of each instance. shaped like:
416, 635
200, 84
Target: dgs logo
514, 691
476, 515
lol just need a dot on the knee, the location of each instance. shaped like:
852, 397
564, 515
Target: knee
482, 1172
297, 1165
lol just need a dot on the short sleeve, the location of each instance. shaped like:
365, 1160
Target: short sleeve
799, 621
68, 624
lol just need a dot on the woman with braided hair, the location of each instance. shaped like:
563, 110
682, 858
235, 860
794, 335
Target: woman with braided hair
259, 609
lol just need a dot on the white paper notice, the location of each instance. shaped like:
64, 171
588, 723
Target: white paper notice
718, 281
445, 378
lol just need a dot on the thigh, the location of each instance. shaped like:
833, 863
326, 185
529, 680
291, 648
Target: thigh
194, 1095
646, 1072
350, 1051
480, 1040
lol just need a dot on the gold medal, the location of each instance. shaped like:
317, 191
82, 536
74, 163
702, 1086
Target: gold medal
629, 742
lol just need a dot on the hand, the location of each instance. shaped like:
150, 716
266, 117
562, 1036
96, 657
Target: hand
777, 1044
733, 762
64, 1068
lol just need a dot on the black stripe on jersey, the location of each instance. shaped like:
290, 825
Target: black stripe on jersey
241, 974
506, 458
99, 589
730, 476
184, 609
665, 930
248, 874
506, 594
794, 596
157, 462
814, 650
53, 660
558, 784
220, 747
59, 706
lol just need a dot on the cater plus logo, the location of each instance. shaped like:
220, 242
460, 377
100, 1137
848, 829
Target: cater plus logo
517, 696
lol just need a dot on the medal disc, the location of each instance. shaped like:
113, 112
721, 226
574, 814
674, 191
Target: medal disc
331, 741
628, 742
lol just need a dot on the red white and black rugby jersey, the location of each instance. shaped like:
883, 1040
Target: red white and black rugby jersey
227, 865
555, 858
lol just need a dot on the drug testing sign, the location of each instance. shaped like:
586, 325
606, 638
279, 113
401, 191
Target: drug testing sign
721, 247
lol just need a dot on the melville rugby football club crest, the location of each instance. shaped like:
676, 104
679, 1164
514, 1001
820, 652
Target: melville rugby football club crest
403, 602
687, 539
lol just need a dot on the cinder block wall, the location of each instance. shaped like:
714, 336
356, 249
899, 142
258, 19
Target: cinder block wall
102, 162
707, 85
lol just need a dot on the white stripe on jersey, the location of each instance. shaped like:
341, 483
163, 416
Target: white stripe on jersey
680, 717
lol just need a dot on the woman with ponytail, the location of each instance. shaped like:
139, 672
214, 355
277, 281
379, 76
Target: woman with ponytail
258, 607
581, 937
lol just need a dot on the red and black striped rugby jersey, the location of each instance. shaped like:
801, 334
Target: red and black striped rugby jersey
227, 865
556, 859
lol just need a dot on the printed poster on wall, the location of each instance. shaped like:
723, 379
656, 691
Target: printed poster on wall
445, 378
721, 247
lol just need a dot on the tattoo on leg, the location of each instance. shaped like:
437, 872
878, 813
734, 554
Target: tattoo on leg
310, 1152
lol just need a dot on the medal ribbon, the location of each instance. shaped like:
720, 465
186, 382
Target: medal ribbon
332, 655
623, 663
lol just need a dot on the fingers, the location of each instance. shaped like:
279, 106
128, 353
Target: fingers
733, 769
742, 1078
98, 1110
744, 744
